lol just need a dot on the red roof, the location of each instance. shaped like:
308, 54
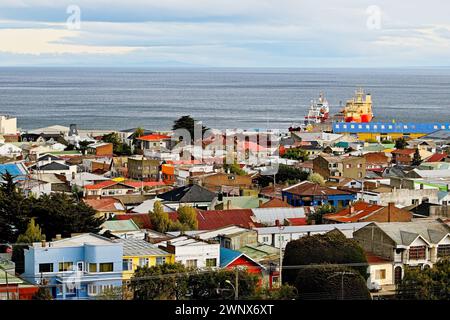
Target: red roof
373, 259
437, 157
376, 157
307, 188
354, 213
404, 151
154, 137
105, 204
101, 185
214, 219
275, 203
297, 221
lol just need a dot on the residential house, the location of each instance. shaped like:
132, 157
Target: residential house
193, 252
124, 229
154, 142
8, 125
56, 168
340, 166
376, 161
365, 212
140, 253
401, 197
106, 207
310, 194
112, 188
141, 168
192, 195
226, 182
10, 150
80, 267
232, 237
276, 236
11, 286
231, 259
100, 149
418, 244
403, 156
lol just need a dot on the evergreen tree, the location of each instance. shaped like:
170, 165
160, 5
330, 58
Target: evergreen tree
417, 159
400, 143
187, 123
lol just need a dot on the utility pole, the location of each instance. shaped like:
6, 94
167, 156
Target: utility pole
236, 284
280, 244
342, 274
7, 283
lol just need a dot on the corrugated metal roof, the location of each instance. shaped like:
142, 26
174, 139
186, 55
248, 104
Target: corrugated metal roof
137, 247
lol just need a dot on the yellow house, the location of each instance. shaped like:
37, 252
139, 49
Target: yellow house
140, 253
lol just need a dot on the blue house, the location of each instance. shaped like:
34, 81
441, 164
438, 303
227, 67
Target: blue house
311, 194
80, 267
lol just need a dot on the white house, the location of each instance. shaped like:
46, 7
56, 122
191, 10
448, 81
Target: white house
9, 150
193, 252
274, 236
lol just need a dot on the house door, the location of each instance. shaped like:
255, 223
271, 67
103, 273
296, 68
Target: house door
397, 274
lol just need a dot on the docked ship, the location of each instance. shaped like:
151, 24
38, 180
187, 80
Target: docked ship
358, 109
318, 112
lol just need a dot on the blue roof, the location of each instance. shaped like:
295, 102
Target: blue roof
227, 256
14, 169
388, 127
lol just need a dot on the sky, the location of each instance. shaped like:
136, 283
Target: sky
225, 33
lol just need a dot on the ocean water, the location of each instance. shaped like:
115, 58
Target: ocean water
222, 98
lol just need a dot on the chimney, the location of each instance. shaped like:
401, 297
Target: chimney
228, 204
391, 207
58, 237
43, 243
351, 209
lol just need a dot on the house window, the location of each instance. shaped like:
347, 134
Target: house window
191, 263
417, 253
415, 201
106, 267
265, 239
92, 290
65, 266
380, 274
127, 264
211, 262
143, 262
45, 267
443, 251
160, 260
92, 267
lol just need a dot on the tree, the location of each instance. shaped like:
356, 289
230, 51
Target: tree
59, 213
119, 148
234, 169
296, 154
400, 143
161, 282
176, 282
32, 234
316, 178
43, 292
187, 123
285, 174
83, 145
160, 220
329, 248
330, 282
427, 284
188, 217
14, 209
285, 292
417, 159
319, 212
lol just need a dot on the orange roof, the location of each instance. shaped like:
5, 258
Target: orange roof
354, 213
154, 137
297, 221
101, 185
376, 157
373, 259
105, 204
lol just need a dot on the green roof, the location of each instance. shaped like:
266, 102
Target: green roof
259, 252
120, 225
65, 152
